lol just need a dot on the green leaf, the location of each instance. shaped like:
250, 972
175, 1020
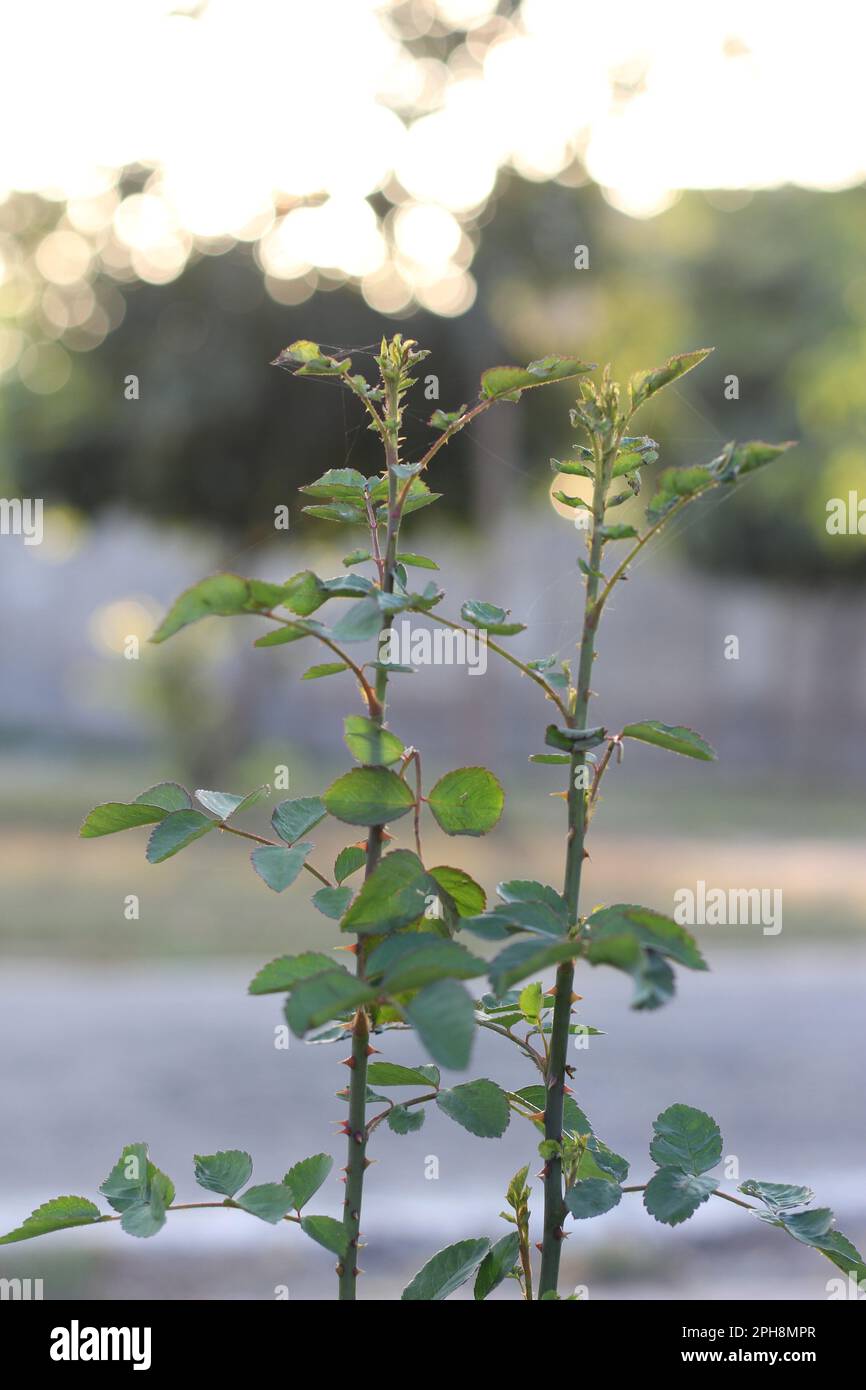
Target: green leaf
410, 962
177, 830
420, 562
637, 940
446, 1272
741, 459
574, 740
813, 1227
360, 622
130, 1178
467, 896
226, 1172
326, 1231
620, 532
325, 668
291, 632
294, 818
369, 796
444, 419
404, 1121
392, 1074
686, 1138
443, 1015
479, 1106
57, 1215
650, 929
221, 595
592, 1197
506, 383
309, 360
306, 1177
118, 815
526, 890
338, 485
370, 744
342, 512
674, 737
320, 998
468, 801
146, 1217
278, 866
599, 1161
676, 483
672, 1195
171, 796
224, 804
531, 1002
137, 1189
332, 902
525, 958
287, 971
395, 895
778, 1196
490, 618
497, 1264
356, 557
270, 1201
646, 384
348, 862
574, 1122
303, 593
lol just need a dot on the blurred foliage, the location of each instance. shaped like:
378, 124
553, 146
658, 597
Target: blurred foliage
774, 280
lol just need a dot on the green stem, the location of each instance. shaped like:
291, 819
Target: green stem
554, 1203
356, 1141
347, 1269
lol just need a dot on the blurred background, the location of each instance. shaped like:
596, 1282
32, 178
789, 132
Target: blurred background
185, 189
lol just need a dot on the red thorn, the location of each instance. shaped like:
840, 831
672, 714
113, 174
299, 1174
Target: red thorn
539, 1246
356, 1271
567, 1091
348, 1062
543, 1173
353, 950
368, 1162
358, 1136
374, 1051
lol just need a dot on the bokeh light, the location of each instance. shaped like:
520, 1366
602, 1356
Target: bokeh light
362, 141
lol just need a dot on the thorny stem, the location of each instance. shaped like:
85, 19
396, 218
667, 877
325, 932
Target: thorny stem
554, 1204
357, 1134
261, 840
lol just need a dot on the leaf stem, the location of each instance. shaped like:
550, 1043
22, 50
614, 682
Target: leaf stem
515, 661
369, 694
261, 840
717, 1192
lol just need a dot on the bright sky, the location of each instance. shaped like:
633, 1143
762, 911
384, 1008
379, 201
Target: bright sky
273, 121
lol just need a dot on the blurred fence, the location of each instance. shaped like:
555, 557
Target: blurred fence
794, 691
